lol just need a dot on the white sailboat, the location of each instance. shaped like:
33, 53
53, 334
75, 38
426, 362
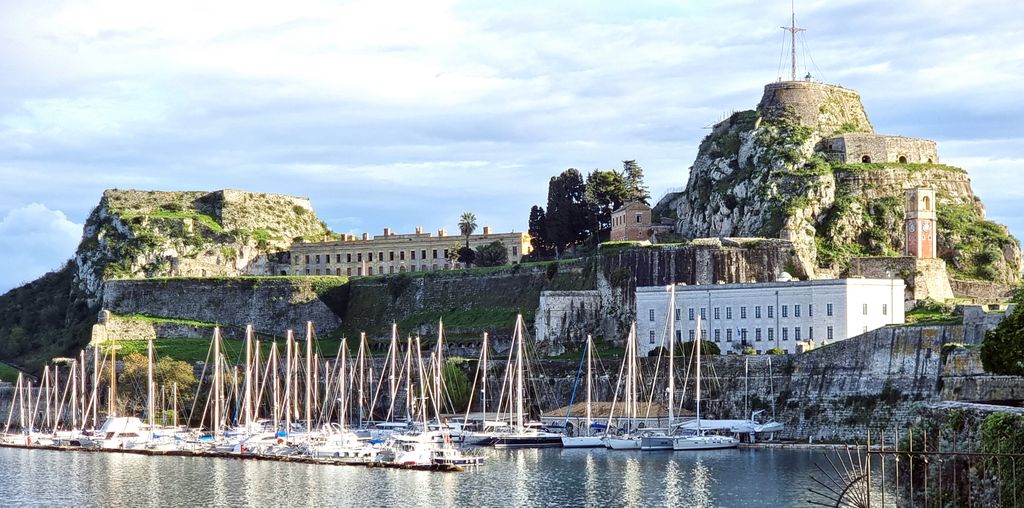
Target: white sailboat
629, 374
663, 440
701, 439
587, 438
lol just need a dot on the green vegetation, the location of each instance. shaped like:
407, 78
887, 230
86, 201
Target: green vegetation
8, 373
492, 254
932, 313
1003, 433
198, 350
776, 351
45, 318
977, 243
1002, 351
456, 382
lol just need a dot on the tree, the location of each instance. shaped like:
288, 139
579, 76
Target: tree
566, 220
467, 225
634, 177
453, 254
467, 256
538, 233
605, 192
166, 371
1002, 351
492, 254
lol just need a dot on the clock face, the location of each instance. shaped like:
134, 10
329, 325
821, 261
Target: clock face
927, 226
913, 227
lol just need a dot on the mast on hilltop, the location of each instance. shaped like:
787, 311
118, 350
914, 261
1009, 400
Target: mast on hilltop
792, 29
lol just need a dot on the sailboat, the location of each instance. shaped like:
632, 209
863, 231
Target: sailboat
586, 439
519, 434
663, 440
701, 439
629, 375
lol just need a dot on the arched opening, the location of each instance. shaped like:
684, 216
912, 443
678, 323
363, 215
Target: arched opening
927, 202
929, 160
902, 159
866, 159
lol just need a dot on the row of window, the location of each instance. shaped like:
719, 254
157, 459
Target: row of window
380, 270
741, 333
829, 311
326, 258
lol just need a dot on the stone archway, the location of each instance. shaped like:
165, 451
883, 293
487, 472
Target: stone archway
902, 159
866, 159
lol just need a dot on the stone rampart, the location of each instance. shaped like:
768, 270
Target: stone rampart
875, 148
981, 292
563, 317
271, 305
925, 278
827, 108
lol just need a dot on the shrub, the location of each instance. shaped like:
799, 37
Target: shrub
776, 351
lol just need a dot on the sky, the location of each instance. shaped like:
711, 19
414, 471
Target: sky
407, 113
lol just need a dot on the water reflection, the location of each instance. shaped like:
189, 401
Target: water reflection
551, 477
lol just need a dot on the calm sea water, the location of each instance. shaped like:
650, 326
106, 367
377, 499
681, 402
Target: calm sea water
551, 477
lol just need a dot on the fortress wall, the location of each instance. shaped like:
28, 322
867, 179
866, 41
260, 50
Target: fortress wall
827, 108
882, 149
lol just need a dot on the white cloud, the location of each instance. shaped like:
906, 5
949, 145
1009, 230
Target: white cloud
34, 240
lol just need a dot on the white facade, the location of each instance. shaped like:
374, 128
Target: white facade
770, 314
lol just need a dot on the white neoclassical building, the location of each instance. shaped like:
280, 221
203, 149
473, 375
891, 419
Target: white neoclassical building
788, 315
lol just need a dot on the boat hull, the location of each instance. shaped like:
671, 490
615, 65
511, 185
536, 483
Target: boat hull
552, 441
656, 443
618, 443
582, 442
704, 443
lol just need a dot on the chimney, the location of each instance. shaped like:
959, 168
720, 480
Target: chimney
419, 230
366, 236
441, 233
387, 231
487, 230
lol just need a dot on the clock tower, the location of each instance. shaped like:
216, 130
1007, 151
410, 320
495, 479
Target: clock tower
920, 223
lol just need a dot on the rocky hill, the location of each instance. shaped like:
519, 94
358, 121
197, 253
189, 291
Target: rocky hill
197, 234
134, 234
775, 172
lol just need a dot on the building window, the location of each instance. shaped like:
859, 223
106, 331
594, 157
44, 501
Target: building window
796, 310
348, 257
885, 309
423, 254
348, 271
359, 270
810, 310
679, 335
865, 309
412, 268
652, 336
369, 270
318, 271
412, 254
401, 269
380, 256
743, 334
718, 313
728, 334
337, 258
651, 314
391, 255
771, 334
828, 333
515, 251
785, 333
718, 335
307, 271
757, 334
401, 255
703, 314
435, 253
785, 311
359, 258
728, 313
327, 259
691, 335
639, 218
796, 333
691, 313
743, 313
307, 259
757, 312
810, 333
678, 314
446, 253
391, 269
828, 309
434, 266
771, 311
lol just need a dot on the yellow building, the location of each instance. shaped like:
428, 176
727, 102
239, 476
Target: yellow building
395, 253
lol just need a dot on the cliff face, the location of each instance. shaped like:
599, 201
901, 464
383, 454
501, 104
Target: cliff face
769, 173
155, 234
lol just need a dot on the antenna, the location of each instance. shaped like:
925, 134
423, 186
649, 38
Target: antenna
792, 29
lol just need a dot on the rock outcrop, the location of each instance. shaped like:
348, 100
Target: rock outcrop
773, 172
199, 234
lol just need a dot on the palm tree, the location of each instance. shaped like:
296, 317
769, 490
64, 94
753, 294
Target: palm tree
467, 225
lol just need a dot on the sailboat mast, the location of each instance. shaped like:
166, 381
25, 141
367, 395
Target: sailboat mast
81, 393
483, 389
519, 373
309, 374
112, 403
697, 388
671, 356
289, 340
343, 388
247, 395
216, 382
150, 401
590, 359
174, 403
95, 384
362, 374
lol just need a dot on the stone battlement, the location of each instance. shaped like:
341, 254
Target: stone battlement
827, 108
877, 148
